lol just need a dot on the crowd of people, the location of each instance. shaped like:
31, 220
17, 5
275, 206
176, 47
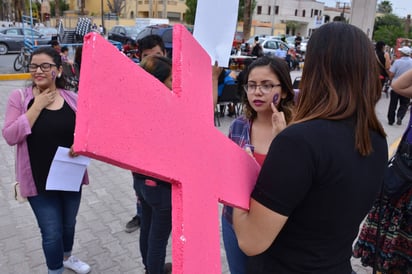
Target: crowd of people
316, 154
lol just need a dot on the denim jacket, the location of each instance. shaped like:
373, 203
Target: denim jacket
15, 130
239, 132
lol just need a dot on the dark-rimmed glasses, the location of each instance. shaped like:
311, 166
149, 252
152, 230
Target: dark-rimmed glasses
45, 67
264, 88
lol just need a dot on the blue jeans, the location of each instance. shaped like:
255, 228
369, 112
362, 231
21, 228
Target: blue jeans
236, 259
135, 186
56, 213
156, 222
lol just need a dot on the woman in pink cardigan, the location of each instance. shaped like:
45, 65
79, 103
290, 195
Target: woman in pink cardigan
38, 120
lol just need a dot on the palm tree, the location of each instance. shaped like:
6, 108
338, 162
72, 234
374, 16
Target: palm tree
57, 9
18, 8
385, 7
247, 19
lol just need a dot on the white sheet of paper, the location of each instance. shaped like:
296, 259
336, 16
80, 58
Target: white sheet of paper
215, 27
66, 173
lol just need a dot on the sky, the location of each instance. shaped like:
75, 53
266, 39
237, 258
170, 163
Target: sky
400, 7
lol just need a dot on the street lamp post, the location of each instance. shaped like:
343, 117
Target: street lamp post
102, 12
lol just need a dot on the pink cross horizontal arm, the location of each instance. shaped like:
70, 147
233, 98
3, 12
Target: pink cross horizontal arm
129, 119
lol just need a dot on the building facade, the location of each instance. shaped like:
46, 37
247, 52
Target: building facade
171, 9
275, 17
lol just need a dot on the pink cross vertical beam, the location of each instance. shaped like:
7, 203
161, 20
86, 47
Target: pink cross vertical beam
128, 118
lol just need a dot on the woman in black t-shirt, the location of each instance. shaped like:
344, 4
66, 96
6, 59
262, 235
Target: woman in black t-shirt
316, 183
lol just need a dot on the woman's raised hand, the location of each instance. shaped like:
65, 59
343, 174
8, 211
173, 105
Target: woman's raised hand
278, 120
44, 98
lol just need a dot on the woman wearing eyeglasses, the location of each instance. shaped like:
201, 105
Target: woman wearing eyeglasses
38, 119
268, 107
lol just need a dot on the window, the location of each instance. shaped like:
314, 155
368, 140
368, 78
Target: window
316, 12
311, 13
269, 10
259, 10
12, 32
296, 12
303, 13
276, 9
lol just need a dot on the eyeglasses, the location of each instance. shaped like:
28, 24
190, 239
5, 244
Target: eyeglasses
264, 88
45, 67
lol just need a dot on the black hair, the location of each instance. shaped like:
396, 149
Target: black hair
379, 46
150, 42
60, 82
64, 49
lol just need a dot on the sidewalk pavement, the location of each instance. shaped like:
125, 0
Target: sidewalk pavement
108, 203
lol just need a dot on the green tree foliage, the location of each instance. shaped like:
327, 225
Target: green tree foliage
190, 12
389, 34
387, 28
116, 6
62, 7
385, 7
242, 8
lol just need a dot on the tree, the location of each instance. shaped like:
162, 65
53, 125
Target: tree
247, 18
385, 7
57, 11
387, 20
190, 12
388, 34
117, 6
18, 9
242, 7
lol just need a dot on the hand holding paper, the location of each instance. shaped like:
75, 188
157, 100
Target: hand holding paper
66, 172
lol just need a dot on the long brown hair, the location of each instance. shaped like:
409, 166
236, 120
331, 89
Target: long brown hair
340, 81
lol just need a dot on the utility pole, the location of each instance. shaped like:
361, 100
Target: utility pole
102, 12
342, 15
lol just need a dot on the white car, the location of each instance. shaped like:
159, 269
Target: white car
303, 45
271, 45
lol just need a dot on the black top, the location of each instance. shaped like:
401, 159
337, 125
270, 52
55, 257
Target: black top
52, 128
314, 175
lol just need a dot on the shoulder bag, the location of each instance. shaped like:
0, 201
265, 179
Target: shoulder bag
16, 185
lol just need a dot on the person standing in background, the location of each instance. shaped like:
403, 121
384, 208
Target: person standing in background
398, 68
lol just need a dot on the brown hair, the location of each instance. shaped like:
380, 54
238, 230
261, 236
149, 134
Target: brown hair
340, 81
280, 68
159, 66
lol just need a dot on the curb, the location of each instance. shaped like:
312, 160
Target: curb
16, 76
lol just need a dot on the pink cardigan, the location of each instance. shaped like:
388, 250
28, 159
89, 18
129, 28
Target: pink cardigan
15, 130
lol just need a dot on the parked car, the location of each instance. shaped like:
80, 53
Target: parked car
50, 33
303, 45
251, 41
12, 39
123, 34
291, 41
271, 45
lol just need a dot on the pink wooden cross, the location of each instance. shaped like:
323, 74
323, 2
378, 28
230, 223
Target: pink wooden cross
128, 118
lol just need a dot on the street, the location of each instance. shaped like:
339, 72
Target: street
6, 63
107, 204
